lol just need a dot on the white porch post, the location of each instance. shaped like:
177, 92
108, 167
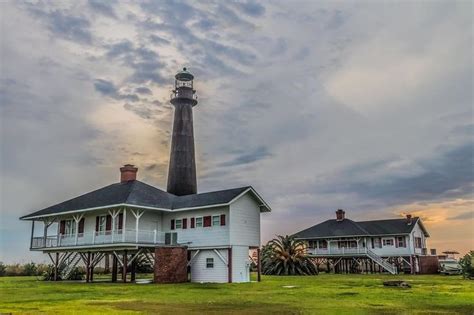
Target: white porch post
154, 236
137, 216
114, 215
32, 232
124, 230
45, 232
77, 218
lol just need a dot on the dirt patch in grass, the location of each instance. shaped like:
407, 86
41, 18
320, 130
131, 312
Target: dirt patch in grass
208, 308
348, 293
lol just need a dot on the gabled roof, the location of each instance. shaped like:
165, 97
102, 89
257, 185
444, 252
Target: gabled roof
347, 227
137, 193
333, 228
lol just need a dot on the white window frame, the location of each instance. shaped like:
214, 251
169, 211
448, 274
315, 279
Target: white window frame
102, 224
210, 262
199, 219
180, 221
69, 227
403, 241
218, 220
385, 240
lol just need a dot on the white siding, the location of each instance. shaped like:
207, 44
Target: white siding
240, 264
391, 250
245, 221
417, 232
202, 236
199, 272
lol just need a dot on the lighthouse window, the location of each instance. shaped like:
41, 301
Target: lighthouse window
216, 220
199, 222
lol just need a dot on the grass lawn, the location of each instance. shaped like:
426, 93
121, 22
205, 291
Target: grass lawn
324, 294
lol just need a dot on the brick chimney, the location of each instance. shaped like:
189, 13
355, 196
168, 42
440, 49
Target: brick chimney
128, 172
340, 215
409, 219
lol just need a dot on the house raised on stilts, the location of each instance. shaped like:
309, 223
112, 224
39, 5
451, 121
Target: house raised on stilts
346, 246
184, 235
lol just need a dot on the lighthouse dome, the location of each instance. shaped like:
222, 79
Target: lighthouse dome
184, 75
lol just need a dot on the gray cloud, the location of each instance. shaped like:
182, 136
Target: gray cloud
103, 7
469, 215
107, 88
65, 25
248, 157
143, 90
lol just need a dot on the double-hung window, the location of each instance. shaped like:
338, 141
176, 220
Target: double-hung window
216, 220
401, 241
418, 242
102, 224
388, 242
179, 224
69, 227
210, 262
199, 222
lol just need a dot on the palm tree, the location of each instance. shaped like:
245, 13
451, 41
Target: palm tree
285, 255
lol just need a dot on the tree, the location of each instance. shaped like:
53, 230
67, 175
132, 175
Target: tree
3, 269
285, 255
467, 265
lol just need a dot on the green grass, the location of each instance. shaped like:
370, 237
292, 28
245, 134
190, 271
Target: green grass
323, 294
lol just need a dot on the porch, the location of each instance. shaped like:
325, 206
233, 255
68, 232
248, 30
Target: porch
117, 237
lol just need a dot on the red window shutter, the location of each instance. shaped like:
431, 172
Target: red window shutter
172, 224
192, 223
396, 242
120, 221
81, 226
108, 223
372, 239
222, 219
62, 227
185, 223
97, 224
380, 242
207, 221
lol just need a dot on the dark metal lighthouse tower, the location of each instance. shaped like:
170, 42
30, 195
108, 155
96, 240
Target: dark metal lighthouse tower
182, 169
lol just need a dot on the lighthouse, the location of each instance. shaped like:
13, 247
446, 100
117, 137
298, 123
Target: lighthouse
182, 166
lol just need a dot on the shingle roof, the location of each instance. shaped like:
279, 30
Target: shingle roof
347, 227
139, 194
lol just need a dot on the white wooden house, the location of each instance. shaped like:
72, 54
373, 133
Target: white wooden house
218, 228
392, 245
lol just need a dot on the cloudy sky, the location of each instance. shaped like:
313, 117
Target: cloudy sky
365, 106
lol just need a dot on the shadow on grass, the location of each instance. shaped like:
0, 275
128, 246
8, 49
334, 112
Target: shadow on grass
209, 308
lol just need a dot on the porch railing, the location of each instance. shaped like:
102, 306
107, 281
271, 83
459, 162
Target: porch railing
337, 251
104, 237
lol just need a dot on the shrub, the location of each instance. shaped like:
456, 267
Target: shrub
467, 265
3, 269
76, 274
29, 269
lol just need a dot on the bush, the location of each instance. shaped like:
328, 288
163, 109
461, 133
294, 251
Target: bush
3, 269
29, 269
467, 265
